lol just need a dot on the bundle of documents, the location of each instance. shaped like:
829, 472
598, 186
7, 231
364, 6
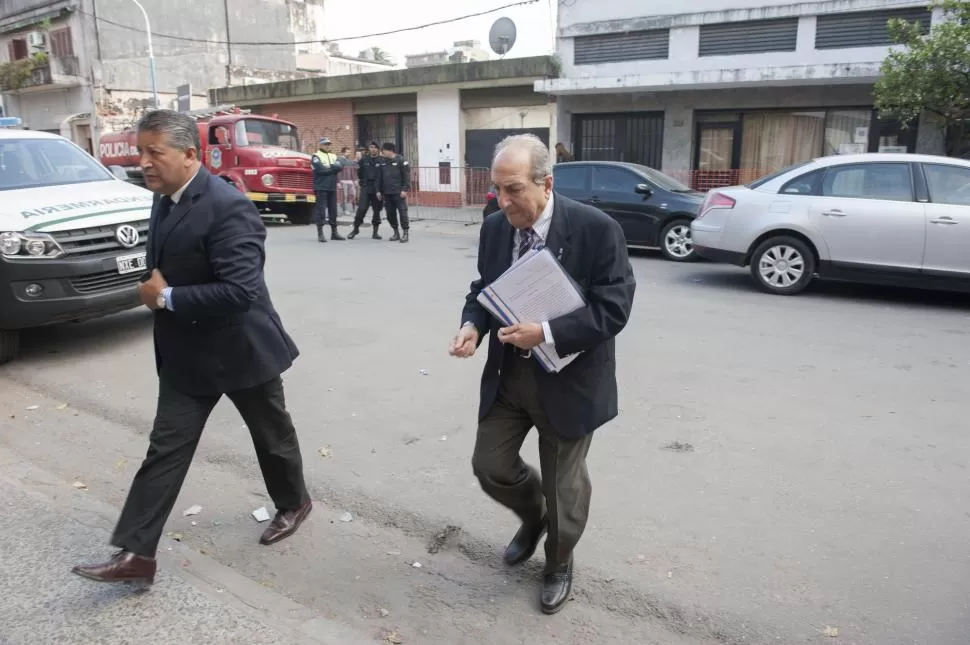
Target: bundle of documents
534, 289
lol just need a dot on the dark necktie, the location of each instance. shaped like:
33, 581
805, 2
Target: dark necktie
164, 207
527, 239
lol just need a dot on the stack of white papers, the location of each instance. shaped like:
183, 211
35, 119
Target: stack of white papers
534, 289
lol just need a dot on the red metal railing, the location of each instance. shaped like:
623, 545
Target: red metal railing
704, 180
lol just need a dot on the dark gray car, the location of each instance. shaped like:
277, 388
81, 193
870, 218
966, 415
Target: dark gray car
654, 210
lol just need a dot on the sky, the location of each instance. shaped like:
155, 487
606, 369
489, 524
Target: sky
534, 25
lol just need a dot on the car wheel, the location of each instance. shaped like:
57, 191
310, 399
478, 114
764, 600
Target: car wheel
9, 345
676, 243
782, 265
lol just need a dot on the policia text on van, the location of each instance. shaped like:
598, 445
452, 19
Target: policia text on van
72, 235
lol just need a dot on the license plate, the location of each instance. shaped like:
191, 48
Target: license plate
131, 263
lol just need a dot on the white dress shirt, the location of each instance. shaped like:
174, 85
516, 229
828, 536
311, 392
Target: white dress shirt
541, 228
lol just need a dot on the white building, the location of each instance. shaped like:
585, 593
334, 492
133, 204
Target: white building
727, 91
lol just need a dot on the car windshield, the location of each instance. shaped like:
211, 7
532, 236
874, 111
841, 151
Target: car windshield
257, 132
35, 163
764, 180
663, 181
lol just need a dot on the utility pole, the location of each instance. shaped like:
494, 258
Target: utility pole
151, 53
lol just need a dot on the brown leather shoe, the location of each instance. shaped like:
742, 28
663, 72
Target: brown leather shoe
122, 567
285, 524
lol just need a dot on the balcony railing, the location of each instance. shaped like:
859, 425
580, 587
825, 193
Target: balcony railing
38, 72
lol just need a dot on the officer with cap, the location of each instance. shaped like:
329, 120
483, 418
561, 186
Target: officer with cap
326, 167
394, 182
368, 172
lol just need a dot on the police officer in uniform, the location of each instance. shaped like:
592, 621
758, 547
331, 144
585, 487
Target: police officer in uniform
393, 187
368, 173
326, 167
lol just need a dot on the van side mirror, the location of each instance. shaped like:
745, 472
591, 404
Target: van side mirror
644, 189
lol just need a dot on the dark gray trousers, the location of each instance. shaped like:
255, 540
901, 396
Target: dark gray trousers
564, 488
175, 435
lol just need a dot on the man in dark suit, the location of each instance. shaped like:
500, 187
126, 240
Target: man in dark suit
516, 393
216, 333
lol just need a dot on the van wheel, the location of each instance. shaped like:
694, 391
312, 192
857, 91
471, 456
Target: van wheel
782, 265
9, 345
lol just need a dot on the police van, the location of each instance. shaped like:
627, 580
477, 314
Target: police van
72, 235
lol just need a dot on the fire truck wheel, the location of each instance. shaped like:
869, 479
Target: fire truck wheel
300, 215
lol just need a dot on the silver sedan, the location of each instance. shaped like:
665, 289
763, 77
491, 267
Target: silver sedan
888, 218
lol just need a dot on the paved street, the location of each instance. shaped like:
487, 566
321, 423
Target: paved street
780, 465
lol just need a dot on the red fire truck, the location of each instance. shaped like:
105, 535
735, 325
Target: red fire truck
259, 155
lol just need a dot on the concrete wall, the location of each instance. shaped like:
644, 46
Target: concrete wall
124, 51
440, 137
664, 14
685, 67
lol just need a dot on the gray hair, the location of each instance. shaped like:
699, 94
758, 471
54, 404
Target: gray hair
181, 128
540, 161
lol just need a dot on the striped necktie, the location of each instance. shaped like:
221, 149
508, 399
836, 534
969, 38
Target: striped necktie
527, 239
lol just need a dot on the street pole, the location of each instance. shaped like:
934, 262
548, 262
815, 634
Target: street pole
151, 53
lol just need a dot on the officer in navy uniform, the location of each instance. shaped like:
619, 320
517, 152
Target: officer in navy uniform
393, 184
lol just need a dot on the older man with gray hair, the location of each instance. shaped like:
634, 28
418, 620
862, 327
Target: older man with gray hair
216, 333
516, 393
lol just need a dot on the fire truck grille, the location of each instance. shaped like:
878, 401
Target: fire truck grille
295, 180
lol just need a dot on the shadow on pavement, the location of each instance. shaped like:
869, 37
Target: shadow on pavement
75, 340
740, 280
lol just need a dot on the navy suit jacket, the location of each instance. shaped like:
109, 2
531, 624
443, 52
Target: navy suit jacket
591, 247
224, 334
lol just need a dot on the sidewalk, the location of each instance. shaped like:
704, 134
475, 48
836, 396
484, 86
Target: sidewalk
194, 600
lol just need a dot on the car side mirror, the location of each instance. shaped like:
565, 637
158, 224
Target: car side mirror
119, 172
644, 189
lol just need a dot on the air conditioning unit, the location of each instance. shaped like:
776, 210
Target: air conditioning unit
36, 39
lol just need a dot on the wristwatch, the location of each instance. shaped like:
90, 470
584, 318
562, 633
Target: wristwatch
160, 302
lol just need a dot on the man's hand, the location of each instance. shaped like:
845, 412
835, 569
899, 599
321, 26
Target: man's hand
404, 196
151, 289
464, 344
523, 336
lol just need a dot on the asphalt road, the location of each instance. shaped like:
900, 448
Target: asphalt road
780, 466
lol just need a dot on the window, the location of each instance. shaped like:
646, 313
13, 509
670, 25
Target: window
569, 177
256, 132
888, 181
748, 37
61, 44
18, 49
847, 132
614, 48
806, 184
948, 184
771, 140
613, 180
864, 28
32, 163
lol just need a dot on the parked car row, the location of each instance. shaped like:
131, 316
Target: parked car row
889, 218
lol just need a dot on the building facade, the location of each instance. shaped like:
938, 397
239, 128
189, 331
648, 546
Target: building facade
63, 60
445, 119
728, 92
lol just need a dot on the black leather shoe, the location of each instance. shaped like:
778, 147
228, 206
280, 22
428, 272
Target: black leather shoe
524, 544
556, 587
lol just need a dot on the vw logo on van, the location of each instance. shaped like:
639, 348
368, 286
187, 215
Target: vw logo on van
127, 236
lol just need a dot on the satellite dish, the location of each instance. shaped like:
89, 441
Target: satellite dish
501, 36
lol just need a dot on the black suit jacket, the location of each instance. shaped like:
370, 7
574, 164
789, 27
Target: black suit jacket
591, 247
224, 334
